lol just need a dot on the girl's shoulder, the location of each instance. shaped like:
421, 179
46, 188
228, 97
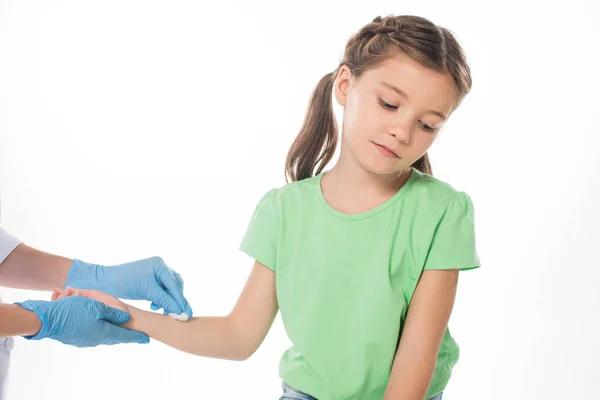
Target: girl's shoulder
291, 194
435, 192
434, 184
297, 189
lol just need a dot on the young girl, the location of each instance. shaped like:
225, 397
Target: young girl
362, 260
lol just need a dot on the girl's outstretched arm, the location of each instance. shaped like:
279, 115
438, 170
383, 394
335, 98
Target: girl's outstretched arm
232, 337
426, 322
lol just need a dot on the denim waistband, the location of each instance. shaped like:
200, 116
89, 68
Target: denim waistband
293, 394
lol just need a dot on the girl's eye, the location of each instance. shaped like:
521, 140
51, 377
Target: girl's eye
387, 106
427, 128
390, 107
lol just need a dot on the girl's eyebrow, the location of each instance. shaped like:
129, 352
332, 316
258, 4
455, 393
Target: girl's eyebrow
401, 93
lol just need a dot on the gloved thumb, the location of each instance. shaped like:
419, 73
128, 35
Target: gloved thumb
110, 314
122, 335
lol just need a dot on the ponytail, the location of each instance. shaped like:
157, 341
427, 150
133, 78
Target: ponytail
316, 143
423, 165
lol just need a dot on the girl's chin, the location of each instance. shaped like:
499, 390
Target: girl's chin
383, 166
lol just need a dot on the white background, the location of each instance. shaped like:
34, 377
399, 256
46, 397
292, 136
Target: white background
137, 128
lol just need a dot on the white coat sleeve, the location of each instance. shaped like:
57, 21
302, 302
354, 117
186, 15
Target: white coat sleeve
7, 244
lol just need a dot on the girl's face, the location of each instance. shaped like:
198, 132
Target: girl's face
392, 113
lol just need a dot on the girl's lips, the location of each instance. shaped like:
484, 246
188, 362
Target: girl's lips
386, 151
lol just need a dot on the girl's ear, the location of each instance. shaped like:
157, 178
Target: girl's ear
341, 85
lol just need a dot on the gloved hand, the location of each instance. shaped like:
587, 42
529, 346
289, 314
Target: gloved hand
150, 279
81, 322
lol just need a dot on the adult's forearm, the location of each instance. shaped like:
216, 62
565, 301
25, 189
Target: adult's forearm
17, 321
32, 269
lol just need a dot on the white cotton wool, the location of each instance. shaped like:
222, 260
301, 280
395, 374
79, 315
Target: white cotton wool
180, 317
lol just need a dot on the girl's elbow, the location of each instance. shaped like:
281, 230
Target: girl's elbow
242, 357
225, 355
245, 353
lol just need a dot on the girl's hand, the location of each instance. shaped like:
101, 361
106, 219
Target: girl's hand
90, 294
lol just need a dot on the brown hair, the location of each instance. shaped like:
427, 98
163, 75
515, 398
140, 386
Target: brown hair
432, 46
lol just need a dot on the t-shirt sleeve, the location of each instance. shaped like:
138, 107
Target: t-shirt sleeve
262, 233
453, 245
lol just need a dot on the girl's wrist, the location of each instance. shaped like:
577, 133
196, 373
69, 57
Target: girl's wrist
134, 316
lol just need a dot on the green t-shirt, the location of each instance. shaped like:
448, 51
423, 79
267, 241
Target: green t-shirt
344, 281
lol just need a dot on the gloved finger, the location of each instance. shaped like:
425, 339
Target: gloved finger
167, 278
180, 282
179, 279
157, 307
186, 307
115, 334
110, 314
162, 299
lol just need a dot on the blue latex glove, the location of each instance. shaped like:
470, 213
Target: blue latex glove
81, 322
150, 279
